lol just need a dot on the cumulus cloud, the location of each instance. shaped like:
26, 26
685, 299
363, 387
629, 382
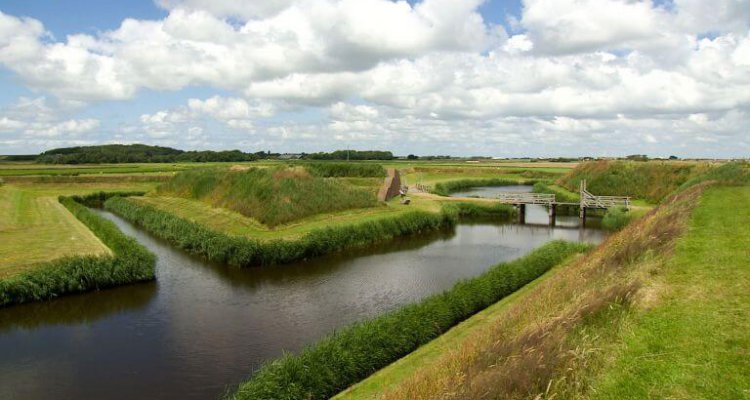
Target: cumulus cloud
614, 75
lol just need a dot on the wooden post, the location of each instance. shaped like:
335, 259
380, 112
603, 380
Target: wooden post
522, 213
552, 214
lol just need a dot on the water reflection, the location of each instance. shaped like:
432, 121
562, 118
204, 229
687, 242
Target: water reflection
204, 327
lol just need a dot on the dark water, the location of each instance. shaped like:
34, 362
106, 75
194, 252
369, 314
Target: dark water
203, 328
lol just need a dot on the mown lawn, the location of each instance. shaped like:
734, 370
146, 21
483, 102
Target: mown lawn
694, 343
35, 228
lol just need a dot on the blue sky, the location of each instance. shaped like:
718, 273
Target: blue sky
568, 77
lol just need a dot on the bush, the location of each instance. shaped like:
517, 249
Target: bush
446, 188
241, 251
337, 170
616, 218
272, 196
131, 263
353, 353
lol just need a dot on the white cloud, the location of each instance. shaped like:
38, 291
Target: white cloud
617, 74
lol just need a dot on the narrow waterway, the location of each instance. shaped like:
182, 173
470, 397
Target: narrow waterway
202, 328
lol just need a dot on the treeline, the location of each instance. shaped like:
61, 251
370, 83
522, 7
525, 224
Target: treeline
351, 155
130, 263
137, 153
351, 354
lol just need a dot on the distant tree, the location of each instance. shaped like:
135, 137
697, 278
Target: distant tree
136, 153
674, 158
637, 157
412, 157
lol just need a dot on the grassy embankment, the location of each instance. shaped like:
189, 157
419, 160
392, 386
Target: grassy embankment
128, 262
628, 321
310, 228
354, 352
270, 196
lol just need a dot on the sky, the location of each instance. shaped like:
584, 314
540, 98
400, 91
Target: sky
503, 78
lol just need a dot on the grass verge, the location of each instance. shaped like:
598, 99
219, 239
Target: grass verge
693, 340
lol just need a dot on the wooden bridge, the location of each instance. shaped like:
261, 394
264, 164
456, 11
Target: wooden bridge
588, 201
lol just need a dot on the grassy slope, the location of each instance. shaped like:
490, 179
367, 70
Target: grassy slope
372, 387
695, 344
272, 196
233, 223
520, 341
35, 227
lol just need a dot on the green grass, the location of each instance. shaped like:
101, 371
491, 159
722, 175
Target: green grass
448, 187
355, 352
694, 343
246, 251
129, 262
377, 383
272, 196
652, 181
36, 228
236, 224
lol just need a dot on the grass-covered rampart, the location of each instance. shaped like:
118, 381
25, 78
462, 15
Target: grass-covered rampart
130, 262
651, 181
348, 170
353, 353
272, 196
245, 251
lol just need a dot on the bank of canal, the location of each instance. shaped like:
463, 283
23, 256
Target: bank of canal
203, 328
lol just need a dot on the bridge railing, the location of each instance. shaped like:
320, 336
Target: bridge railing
526, 198
589, 200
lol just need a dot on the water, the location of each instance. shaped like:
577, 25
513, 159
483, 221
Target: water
202, 328
535, 214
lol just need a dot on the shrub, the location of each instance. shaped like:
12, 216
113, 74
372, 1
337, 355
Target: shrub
272, 196
353, 170
353, 353
446, 188
130, 263
241, 251
616, 218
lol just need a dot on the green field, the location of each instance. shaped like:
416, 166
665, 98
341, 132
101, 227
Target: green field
35, 227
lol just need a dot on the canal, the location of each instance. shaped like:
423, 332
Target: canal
201, 328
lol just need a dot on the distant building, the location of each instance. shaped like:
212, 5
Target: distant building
290, 156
